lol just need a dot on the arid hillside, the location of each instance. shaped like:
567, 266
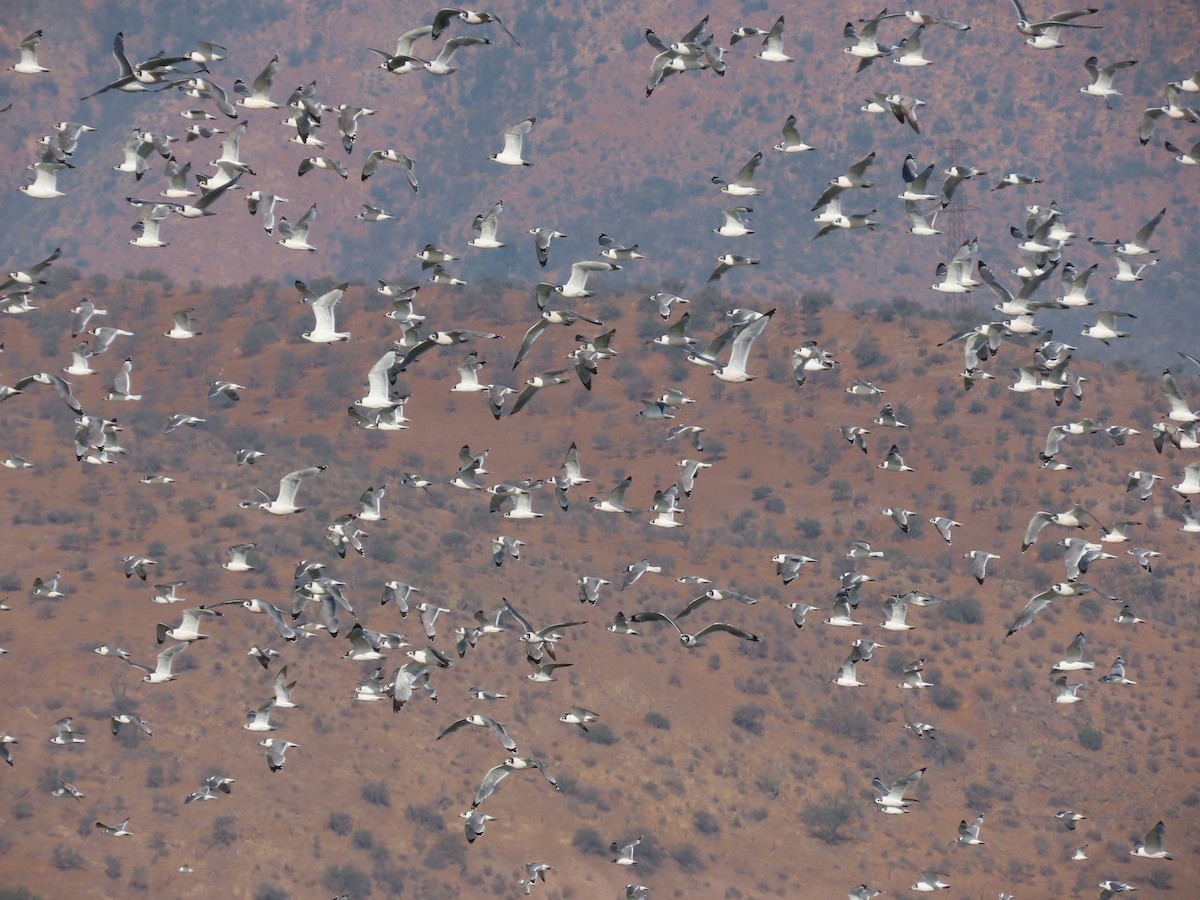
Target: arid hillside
738, 758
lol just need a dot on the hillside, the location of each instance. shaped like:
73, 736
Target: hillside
745, 769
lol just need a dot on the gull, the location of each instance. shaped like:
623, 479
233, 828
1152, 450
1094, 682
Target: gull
498, 730
887, 418
896, 610
115, 830
470, 17
504, 546
691, 432
1139, 246
1105, 329
792, 142
63, 734
322, 162
745, 31
1152, 846
1079, 853
1045, 35
1117, 533
894, 462
1127, 616
863, 220
514, 136
787, 565
694, 640
979, 563
227, 389
799, 611
136, 565
1066, 693
474, 822
295, 237
853, 177
28, 63
1144, 557
922, 730
910, 48
1116, 673
178, 420
943, 524
1172, 110
376, 156
916, 182
1016, 178
866, 49
913, 679
47, 587
728, 261
106, 650
549, 317
45, 183
691, 468
402, 60
535, 384
1076, 282
276, 752
742, 185
66, 789
147, 229
323, 307
772, 50
577, 715
614, 501
496, 774
921, 224
1102, 78
576, 285
635, 571
541, 242
260, 718
285, 503
543, 672
931, 881
122, 389
168, 593
189, 629
374, 214
262, 204
898, 515
440, 65
969, 834
892, 798
1069, 818
735, 370
259, 94
1126, 272
184, 327
1180, 411
624, 852
486, 225
162, 671
1187, 158
734, 224
620, 625
263, 656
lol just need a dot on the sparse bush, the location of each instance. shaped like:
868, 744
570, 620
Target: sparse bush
340, 823
981, 475
348, 879
748, 717
224, 831
946, 697
966, 610
112, 867
657, 720
363, 839
1091, 738
588, 840
599, 733
829, 816
67, 858
376, 793
425, 817
706, 823
270, 892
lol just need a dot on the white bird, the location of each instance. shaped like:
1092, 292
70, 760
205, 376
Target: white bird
979, 563
120, 830
441, 65
1073, 660
189, 629
742, 185
792, 142
734, 224
892, 797
1066, 693
276, 752
577, 715
910, 50
735, 370
931, 881
285, 503
1116, 673
325, 330
28, 63
1152, 846
259, 94
772, 50
161, 673
514, 136
295, 237
624, 852
1102, 78
1105, 329
486, 224
969, 833
45, 182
